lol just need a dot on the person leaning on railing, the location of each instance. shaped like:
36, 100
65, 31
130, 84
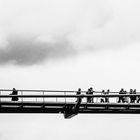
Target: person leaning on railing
14, 92
79, 91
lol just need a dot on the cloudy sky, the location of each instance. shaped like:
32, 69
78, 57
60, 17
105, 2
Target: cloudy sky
64, 45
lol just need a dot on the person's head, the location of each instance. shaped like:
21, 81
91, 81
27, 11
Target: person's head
79, 89
14, 89
103, 90
122, 89
108, 90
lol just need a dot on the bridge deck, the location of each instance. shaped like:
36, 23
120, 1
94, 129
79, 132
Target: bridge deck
60, 107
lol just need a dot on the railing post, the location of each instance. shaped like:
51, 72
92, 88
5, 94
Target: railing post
43, 97
117, 99
0, 97
21, 97
65, 97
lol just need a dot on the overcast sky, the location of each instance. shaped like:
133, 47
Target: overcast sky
64, 45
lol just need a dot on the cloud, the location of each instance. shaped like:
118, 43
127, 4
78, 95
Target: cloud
44, 29
34, 31
28, 51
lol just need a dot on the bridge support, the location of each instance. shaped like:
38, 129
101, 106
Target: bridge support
70, 112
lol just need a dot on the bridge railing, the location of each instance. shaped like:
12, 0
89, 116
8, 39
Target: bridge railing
61, 96
38, 95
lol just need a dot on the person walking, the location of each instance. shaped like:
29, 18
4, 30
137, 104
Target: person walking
78, 93
134, 97
102, 98
107, 98
138, 99
91, 93
131, 97
87, 93
121, 99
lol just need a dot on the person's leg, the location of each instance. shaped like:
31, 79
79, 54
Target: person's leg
119, 100
138, 99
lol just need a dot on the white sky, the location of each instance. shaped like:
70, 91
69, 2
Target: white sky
99, 45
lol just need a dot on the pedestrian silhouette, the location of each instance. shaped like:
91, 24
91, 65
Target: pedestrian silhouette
134, 97
138, 99
91, 93
88, 93
102, 98
131, 97
125, 98
107, 98
121, 98
14, 92
78, 93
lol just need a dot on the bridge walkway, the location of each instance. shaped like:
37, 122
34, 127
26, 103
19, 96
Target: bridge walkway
65, 102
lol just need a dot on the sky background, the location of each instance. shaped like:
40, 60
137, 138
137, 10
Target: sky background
64, 45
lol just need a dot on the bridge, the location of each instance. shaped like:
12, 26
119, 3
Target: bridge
66, 102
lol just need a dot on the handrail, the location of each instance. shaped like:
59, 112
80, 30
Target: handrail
30, 90
67, 91
68, 96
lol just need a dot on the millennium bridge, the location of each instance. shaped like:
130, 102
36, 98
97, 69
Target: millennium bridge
66, 102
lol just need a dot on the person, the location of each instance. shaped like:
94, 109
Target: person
78, 92
91, 93
131, 97
102, 98
125, 98
134, 97
88, 93
121, 99
14, 92
138, 99
107, 98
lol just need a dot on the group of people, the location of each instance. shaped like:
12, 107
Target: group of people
121, 99
106, 99
132, 99
90, 99
89, 92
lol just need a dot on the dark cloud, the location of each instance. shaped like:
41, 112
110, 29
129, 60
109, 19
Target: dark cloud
29, 51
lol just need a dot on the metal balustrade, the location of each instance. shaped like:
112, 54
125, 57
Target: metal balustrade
66, 102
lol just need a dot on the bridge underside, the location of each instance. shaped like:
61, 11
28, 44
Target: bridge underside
69, 109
